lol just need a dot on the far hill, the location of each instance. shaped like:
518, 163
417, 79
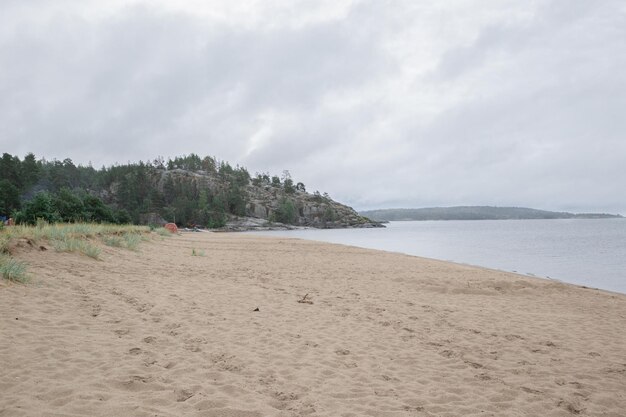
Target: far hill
477, 213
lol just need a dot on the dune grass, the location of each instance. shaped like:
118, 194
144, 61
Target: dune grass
13, 270
60, 231
72, 244
114, 241
132, 240
82, 238
163, 232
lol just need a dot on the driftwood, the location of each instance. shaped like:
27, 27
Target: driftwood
304, 299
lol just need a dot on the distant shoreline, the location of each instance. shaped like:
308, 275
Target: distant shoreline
477, 213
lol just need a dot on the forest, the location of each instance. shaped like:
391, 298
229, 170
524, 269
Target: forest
61, 191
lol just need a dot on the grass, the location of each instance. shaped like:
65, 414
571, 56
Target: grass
74, 237
113, 241
163, 232
195, 252
12, 269
4, 243
72, 244
132, 241
60, 231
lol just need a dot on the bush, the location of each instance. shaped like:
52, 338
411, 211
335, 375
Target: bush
68, 206
123, 217
40, 207
97, 211
285, 213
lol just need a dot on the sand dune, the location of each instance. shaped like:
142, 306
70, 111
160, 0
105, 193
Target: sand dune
160, 332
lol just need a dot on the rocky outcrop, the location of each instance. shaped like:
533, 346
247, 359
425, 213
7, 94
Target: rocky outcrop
266, 205
310, 210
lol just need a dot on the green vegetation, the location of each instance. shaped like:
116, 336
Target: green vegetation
132, 241
60, 191
113, 241
162, 232
82, 238
12, 269
72, 244
285, 213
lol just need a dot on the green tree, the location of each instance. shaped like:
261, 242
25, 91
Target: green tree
40, 207
9, 198
123, 217
68, 206
288, 185
97, 211
208, 164
285, 213
30, 171
10, 169
217, 212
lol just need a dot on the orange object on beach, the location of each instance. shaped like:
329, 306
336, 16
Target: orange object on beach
171, 227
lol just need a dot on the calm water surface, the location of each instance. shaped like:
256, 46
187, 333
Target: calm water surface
580, 251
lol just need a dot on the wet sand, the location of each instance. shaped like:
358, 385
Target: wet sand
160, 332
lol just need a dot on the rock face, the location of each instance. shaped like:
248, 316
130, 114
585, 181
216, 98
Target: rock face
267, 203
310, 210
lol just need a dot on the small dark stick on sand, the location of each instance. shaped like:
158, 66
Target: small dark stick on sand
304, 300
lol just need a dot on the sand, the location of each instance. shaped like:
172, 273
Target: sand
160, 332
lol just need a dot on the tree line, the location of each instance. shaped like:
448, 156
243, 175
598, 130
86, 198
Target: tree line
32, 188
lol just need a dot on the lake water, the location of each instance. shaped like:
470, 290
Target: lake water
590, 252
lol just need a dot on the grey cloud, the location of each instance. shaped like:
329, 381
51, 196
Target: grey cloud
131, 80
528, 113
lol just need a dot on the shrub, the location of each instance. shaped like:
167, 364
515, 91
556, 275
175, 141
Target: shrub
40, 207
285, 213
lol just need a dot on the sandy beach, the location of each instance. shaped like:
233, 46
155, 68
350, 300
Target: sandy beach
258, 326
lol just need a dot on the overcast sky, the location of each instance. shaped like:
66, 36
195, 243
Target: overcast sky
379, 103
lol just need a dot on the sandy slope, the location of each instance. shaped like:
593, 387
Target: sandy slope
165, 333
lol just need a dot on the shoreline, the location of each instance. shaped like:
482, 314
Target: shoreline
475, 248
230, 331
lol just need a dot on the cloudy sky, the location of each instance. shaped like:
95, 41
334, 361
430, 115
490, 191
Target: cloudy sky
380, 103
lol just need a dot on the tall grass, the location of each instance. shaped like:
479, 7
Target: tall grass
12, 269
75, 237
114, 241
72, 244
132, 240
60, 231
163, 232
5, 240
